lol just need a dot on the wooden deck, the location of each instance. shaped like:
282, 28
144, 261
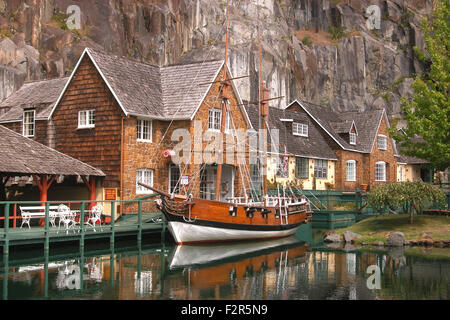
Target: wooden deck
127, 225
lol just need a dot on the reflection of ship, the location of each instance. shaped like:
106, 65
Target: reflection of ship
234, 270
201, 255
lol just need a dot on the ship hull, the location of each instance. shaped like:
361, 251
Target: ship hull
208, 231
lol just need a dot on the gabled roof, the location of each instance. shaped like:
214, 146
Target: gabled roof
141, 89
313, 146
40, 95
334, 123
23, 156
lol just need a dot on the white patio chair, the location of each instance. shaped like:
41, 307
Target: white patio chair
96, 215
66, 217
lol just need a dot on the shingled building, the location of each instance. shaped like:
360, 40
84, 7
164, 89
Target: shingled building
118, 115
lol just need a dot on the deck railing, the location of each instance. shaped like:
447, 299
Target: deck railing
128, 223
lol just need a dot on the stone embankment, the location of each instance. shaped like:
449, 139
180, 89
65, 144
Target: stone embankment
393, 239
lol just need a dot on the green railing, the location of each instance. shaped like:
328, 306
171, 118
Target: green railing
131, 222
351, 201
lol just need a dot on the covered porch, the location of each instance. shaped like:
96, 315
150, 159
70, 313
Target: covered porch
26, 165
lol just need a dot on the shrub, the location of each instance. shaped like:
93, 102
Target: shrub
405, 195
337, 32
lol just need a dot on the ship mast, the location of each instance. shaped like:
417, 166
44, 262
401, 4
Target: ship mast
224, 98
263, 105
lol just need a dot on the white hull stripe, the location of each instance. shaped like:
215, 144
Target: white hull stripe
191, 233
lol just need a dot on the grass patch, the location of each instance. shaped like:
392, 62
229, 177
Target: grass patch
377, 228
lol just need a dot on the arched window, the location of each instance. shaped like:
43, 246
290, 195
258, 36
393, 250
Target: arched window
351, 170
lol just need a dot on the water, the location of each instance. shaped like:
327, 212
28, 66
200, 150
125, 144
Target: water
299, 267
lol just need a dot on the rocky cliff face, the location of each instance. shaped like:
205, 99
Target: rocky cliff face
321, 51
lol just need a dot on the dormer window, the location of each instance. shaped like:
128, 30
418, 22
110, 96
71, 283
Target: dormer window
86, 119
28, 123
352, 138
299, 129
382, 142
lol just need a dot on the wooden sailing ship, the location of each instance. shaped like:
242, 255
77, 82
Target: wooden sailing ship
193, 220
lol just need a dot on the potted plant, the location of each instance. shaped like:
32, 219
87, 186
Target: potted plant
364, 186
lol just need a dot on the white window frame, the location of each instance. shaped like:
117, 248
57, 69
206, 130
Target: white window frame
401, 173
27, 125
214, 119
299, 129
352, 138
141, 177
302, 163
350, 170
89, 117
382, 142
321, 166
380, 171
140, 130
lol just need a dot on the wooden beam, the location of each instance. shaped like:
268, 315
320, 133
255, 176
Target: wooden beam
228, 79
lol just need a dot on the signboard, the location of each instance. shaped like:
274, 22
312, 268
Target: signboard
110, 194
184, 180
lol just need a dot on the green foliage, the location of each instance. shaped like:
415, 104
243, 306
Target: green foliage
337, 32
405, 195
61, 18
427, 135
307, 41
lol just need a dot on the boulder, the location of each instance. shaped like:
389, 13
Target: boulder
425, 235
438, 243
378, 243
396, 239
332, 237
349, 236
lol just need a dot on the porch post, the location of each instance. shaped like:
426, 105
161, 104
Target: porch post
43, 184
91, 191
90, 184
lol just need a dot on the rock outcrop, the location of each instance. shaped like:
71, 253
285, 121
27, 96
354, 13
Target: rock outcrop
396, 239
359, 69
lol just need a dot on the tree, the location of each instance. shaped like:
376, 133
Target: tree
408, 196
427, 135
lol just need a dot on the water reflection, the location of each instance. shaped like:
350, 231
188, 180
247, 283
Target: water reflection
279, 269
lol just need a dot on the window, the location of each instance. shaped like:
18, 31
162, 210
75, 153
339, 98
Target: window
144, 130
382, 142
352, 138
299, 129
282, 167
351, 170
380, 171
174, 177
214, 119
400, 173
144, 176
86, 119
302, 168
320, 169
28, 123
228, 123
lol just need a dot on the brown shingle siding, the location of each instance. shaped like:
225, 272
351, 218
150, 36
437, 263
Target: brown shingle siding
99, 146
